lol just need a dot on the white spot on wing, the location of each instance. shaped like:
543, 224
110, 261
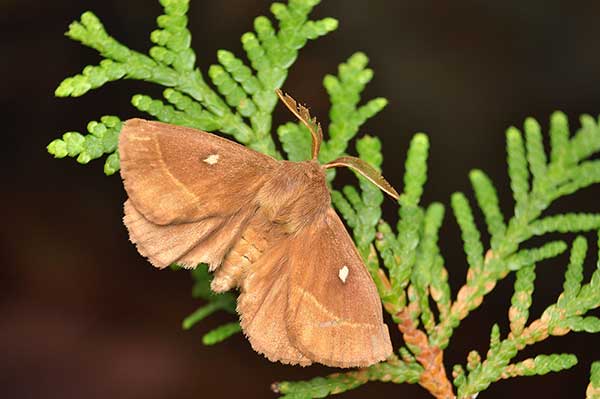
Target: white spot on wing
343, 273
212, 159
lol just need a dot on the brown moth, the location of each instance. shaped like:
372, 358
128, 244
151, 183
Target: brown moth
264, 226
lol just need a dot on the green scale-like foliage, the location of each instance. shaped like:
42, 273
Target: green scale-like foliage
411, 257
237, 98
346, 115
593, 390
244, 96
102, 139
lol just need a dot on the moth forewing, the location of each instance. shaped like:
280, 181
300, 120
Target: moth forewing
190, 192
334, 311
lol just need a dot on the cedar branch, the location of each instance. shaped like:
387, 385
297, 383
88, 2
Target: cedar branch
434, 377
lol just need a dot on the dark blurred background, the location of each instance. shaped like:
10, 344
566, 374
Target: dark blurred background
82, 315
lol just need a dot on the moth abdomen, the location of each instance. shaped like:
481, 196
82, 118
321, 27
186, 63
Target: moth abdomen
244, 253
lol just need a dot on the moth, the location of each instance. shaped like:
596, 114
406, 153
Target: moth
264, 226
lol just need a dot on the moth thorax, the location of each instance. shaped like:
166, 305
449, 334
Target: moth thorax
295, 195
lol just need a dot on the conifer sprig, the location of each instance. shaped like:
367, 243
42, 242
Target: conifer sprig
534, 190
244, 98
237, 97
393, 370
103, 138
346, 116
535, 183
567, 314
214, 302
593, 389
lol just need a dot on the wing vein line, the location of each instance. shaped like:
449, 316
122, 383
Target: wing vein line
175, 180
338, 320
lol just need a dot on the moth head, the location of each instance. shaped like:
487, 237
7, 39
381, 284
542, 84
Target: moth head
356, 164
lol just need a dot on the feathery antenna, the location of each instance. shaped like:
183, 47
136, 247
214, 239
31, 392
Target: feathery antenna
302, 113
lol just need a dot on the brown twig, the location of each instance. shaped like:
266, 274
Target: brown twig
434, 377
